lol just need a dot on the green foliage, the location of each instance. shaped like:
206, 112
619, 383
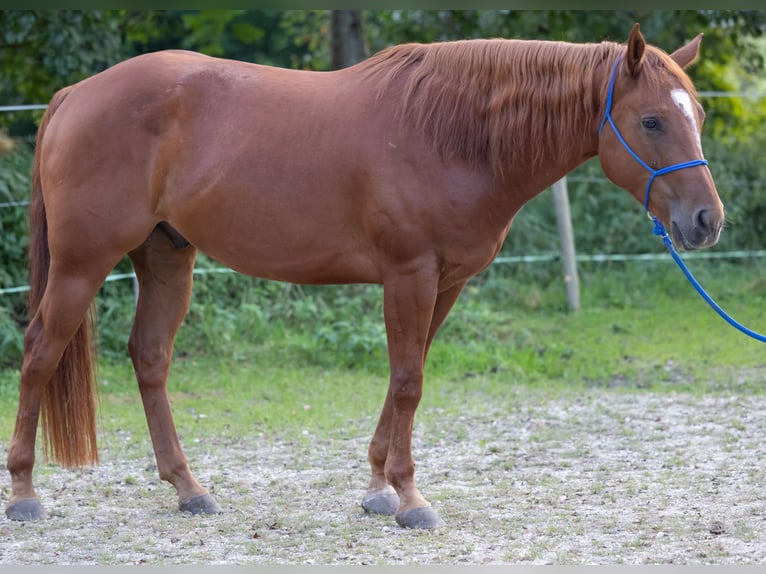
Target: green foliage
250, 319
11, 339
291, 38
241, 317
208, 29
44, 50
77, 43
15, 170
740, 174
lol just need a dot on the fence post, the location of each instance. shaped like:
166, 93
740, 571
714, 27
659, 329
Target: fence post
566, 238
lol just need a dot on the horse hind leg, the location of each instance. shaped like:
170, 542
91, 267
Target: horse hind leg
164, 274
68, 294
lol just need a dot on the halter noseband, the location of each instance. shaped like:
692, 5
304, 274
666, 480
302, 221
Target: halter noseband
659, 229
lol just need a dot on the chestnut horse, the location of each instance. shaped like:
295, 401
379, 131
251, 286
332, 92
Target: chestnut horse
405, 170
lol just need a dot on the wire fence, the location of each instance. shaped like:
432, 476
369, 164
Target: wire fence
502, 260
23, 107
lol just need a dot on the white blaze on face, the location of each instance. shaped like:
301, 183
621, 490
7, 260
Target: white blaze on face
684, 101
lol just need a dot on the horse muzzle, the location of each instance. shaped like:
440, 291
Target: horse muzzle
701, 230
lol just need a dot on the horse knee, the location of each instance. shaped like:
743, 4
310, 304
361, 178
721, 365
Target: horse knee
406, 390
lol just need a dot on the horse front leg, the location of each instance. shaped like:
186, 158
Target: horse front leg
413, 312
381, 498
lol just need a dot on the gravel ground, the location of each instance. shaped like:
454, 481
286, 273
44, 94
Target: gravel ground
601, 478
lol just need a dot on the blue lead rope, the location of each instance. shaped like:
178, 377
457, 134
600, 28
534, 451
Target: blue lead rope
659, 229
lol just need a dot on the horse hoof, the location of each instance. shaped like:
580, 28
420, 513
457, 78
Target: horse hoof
202, 504
381, 502
424, 517
23, 510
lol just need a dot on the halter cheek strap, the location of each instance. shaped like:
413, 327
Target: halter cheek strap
659, 229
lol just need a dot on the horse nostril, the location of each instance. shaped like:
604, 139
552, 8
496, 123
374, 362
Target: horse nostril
708, 222
702, 220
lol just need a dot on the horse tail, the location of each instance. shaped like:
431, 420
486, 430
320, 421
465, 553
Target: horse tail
67, 410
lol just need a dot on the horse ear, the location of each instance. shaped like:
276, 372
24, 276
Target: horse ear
636, 46
686, 55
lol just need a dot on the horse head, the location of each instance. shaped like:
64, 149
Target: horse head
649, 140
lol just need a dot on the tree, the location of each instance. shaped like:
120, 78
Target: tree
347, 38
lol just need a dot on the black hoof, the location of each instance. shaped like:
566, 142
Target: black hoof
23, 510
202, 504
424, 517
381, 502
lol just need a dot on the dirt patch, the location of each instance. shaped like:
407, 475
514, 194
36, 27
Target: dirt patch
607, 478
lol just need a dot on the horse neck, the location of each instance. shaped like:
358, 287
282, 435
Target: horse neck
555, 110
526, 111
560, 134
502, 103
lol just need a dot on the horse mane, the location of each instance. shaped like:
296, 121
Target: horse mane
498, 101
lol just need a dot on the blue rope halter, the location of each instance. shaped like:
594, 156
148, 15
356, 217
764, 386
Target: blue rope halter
659, 229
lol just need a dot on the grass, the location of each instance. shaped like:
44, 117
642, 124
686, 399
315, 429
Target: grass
640, 328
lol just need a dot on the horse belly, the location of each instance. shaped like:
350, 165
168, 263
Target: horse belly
283, 236
311, 265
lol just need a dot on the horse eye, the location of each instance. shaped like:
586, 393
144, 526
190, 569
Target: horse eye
650, 124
